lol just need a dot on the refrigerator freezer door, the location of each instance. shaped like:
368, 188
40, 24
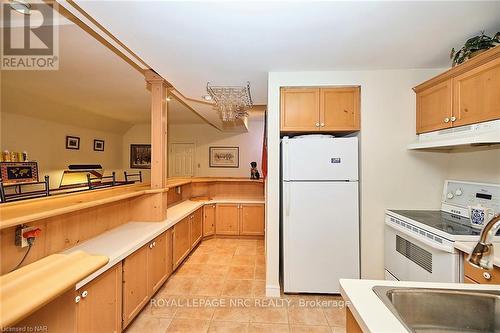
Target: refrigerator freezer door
320, 159
320, 235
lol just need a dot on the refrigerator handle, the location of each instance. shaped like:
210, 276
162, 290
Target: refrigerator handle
286, 163
287, 198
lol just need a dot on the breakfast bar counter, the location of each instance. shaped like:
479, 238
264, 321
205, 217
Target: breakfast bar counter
16, 213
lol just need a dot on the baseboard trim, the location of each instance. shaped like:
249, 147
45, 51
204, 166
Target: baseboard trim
273, 291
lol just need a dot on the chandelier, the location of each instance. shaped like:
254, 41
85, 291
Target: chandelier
231, 102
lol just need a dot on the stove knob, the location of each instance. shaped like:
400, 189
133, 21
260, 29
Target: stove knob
458, 192
449, 195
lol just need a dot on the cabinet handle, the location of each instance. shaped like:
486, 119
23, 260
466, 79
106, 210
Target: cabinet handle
85, 294
487, 275
77, 299
151, 245
446, 120
154, 244
317, 124
322, 124
453, 119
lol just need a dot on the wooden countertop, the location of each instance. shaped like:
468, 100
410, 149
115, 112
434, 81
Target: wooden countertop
15, 213
174, 182
120, 242
27, 289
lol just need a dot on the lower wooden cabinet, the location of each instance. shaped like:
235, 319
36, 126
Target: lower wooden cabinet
252, 219
99, 303
478, 275
240, 219
159, 261
135, 283
208, 220
181, 241
144, 272
196, 220
227, 219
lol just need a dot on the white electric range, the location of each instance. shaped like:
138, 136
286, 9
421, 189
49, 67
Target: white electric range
419, 244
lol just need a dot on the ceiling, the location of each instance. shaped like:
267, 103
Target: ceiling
93, 88
229, 43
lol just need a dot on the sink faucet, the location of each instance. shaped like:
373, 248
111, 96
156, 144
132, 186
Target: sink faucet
482, 255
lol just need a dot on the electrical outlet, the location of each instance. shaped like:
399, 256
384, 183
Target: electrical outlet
20, 240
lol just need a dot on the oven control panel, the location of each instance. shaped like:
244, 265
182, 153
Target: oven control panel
458, 196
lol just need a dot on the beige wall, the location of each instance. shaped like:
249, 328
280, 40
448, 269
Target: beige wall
475, 165
205, 136
137, 134
391, 176
45, 142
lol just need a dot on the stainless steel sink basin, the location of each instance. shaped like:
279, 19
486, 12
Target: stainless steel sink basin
443, 310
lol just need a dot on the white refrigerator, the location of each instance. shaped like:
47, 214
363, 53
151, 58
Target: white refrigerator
320, 213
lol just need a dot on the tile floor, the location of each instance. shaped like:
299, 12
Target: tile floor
221, 288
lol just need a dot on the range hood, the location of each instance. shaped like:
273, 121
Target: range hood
487, 133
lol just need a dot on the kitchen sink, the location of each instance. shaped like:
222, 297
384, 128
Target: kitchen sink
443, 310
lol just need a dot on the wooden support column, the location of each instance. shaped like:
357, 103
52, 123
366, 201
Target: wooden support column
153, 207
158, 129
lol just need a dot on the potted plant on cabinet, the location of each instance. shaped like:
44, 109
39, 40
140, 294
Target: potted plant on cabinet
474, 46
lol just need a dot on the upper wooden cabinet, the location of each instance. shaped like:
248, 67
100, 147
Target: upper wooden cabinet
477, 94
434, 108
334, 109
299, 109
339, 109
466, 94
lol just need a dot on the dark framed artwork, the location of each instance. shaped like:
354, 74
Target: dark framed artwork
140, 156
98, 145
72, 142
19, 172
224, 157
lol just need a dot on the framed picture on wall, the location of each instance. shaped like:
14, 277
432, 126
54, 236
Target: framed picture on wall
224, 157
140, 156
98, 145
72, 142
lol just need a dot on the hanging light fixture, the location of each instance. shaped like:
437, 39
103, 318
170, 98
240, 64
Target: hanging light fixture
232, 102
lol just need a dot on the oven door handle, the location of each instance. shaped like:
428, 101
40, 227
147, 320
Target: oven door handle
449, 249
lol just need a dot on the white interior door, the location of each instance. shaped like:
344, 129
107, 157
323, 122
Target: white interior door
181, 159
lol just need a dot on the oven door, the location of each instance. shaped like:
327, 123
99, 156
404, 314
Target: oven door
409, 259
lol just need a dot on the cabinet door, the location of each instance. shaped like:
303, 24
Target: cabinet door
252, 219
208, 220
434, 108
476, 94
227, 219
181, 241
299, 109
339, 109
158, 261
135, 283
196, 227
100, 306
